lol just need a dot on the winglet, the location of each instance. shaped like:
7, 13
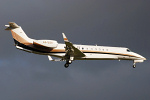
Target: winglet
50, 58
65, 38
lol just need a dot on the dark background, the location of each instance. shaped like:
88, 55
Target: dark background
121, 23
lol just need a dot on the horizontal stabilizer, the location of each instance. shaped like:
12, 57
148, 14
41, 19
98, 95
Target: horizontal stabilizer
11, 25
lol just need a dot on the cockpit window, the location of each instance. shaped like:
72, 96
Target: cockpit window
128, 50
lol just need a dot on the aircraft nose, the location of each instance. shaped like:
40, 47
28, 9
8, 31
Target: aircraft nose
139, 56
144, 58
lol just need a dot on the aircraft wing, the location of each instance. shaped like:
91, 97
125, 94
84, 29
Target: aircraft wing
71, 50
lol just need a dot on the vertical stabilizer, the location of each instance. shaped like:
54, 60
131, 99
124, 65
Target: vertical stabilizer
18, 33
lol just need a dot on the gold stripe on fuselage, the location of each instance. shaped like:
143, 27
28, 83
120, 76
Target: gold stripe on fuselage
89, 51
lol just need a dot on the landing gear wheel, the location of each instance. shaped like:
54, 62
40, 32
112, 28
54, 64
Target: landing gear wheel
66, 65
134, 65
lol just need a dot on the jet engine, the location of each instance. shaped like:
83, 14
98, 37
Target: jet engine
45, 43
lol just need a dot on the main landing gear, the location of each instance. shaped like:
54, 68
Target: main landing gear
67, 63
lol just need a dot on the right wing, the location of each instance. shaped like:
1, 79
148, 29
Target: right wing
71, 50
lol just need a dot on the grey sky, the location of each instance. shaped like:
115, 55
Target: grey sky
26, 76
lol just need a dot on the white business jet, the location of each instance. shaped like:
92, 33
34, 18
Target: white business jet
69, 52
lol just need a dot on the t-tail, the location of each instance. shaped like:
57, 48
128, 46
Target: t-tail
23, 42
18, 34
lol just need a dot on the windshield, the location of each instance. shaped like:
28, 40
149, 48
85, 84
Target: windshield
128, 50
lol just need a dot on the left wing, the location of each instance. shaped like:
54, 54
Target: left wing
71, 50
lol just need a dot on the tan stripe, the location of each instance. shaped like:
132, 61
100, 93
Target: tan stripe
63, 50
109, 52
58, 50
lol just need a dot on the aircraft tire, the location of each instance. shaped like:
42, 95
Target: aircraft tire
66, 65
134, 66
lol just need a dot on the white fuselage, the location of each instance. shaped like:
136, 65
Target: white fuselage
99, 53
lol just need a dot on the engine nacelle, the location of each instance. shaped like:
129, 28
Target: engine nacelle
45, 43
